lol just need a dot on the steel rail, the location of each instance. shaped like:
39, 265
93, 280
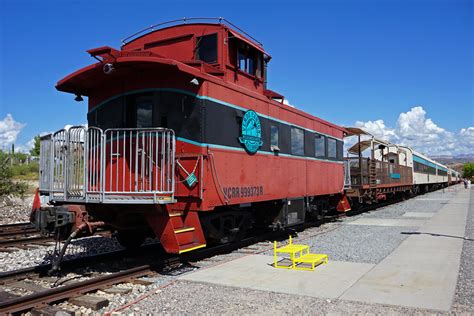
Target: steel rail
74, 289
16, 229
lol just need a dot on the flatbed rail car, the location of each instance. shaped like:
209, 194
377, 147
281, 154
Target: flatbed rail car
185, 142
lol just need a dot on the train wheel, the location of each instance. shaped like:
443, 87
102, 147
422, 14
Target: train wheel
130, 239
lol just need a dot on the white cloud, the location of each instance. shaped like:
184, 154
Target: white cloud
25, 148
378, 129
414, 129
9, 130
286, 102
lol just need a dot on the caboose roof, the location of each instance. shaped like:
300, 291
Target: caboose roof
221, 23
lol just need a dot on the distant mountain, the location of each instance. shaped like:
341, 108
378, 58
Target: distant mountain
453, 160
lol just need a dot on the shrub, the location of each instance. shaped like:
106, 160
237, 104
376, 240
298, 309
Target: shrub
7, 185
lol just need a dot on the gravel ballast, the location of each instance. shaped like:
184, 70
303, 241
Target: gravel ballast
464, 298
14, 209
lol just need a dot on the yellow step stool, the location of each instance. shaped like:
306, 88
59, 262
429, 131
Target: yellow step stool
314, 259
299, 254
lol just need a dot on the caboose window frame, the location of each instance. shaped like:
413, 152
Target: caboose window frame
201, 40
318, 141
297, 141
331, 151
274, 138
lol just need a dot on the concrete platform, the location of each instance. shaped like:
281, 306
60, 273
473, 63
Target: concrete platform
419, 214
256, 272
422, 272
388, 222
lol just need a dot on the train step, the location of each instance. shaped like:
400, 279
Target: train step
179, 231
190, 247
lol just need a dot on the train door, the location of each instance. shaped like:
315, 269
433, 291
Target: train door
145, 145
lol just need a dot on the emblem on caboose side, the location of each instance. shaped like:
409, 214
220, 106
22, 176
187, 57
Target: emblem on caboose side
251, 132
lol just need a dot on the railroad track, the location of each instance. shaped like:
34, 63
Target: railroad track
23, 235
16, 229
48, 296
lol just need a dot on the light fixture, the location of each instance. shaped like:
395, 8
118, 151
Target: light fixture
108, 68
194, 82
78, 98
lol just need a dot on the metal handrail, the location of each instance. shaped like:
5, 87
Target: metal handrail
91, 165
221, 20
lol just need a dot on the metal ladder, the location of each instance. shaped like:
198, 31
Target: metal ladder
372, 173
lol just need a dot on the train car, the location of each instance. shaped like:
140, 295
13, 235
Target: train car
453, 176
376, 169
428, 174
185, 142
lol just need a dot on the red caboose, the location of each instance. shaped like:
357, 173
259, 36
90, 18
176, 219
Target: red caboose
185, 141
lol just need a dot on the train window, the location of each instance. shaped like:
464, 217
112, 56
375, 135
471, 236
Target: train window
108, 115
274, 137
320, 146
332, 148
258, 71
297, 141
340, 150
206, 48
144, 114
245, 61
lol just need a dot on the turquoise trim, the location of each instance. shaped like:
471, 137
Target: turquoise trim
428, 163
395, 175
192, 142
210, 99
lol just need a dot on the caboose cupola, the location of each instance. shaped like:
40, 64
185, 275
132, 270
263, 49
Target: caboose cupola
210, 51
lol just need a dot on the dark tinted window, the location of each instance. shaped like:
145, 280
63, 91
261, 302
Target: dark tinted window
297, 141
144, 113
340, 150
274, 136
206, 49
332, 148
320, 145
109, 115
442, 173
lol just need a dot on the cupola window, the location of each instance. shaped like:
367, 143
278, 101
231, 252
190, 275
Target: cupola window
206, 48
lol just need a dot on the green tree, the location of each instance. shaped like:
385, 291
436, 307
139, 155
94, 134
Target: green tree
468, 170
35, 151
7, 185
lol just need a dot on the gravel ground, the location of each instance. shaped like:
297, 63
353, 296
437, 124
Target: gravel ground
359, 243
184, 297
464, 298
14, 209
81, 247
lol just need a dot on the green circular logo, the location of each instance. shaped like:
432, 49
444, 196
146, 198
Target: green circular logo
251, 136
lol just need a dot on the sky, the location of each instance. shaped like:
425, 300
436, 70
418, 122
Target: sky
402, 69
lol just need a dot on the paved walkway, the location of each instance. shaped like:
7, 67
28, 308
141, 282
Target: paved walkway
422, 272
